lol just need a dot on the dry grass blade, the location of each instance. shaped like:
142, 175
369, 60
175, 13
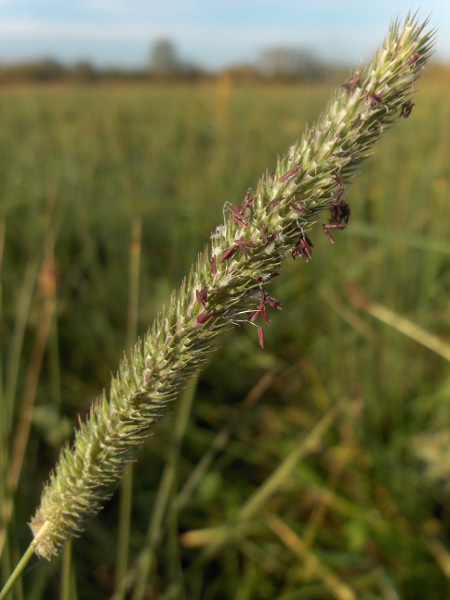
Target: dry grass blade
401, 324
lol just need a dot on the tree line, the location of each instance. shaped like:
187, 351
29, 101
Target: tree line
164, 63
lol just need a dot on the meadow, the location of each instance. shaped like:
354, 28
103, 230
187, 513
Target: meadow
316, 468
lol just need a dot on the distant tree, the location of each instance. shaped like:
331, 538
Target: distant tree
163, 59
84, 72
291, 63
47, 69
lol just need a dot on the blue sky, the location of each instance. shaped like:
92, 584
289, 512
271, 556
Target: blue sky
209, 33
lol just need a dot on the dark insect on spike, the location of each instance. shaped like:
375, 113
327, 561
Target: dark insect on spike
204, 316
407, 108
339, 211
261, 337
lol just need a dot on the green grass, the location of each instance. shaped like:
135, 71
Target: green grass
294, 472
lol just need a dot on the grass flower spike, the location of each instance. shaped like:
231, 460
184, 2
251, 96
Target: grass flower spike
228, 284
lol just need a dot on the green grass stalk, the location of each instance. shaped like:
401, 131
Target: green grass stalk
126, 490
16, 574
165, 499
222, 535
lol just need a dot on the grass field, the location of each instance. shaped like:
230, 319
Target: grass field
315, 468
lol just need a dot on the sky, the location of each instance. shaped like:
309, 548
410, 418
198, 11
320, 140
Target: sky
207, 33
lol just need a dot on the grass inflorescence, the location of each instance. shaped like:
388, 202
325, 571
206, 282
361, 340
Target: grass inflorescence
229, 281
340, 507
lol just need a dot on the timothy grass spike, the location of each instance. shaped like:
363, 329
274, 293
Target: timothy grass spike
228, 283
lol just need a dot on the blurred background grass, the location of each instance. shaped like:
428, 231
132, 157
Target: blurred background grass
316, 468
